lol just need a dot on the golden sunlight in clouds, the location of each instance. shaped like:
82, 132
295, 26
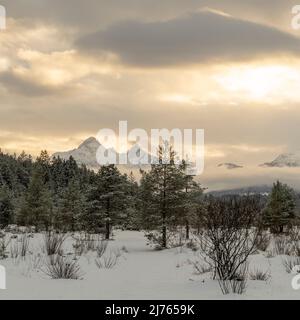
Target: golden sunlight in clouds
272, 83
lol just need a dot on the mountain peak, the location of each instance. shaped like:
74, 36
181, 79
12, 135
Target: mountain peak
89, 141
284, 160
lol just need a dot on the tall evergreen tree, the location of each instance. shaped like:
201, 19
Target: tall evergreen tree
192, 197
162, 192
132, 218
36, 207
280, 210
71, 208
6, 207
107, 198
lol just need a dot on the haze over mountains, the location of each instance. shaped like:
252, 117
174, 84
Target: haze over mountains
216, 176
86, 154
87, 150
284, 160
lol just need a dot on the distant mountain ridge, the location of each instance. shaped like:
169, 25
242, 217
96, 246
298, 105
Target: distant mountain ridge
260, 189
84, 154
291, 160
87, 151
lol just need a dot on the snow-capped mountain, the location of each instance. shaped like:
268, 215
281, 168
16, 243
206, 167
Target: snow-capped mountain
284, 160
230, 166
87, 150
84, 154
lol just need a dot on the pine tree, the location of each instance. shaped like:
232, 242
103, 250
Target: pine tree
71, 207
107, 199
280, 210
132, 219
6, 207
192, 198
162, 193
36, 208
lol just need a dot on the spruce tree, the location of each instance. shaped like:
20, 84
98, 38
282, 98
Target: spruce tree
106, 199
280, 210
71, 208
191, 199
132, 218
36, 208
6, 207
162, 193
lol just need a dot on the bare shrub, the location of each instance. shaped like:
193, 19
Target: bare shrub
14, 250
237, 284
24, 245
107, 262
263, 241
270, 254
290, 262
60, 267
229, 237
296, 248
86, 242
200, 268
91, 242
192, 245
294, 234
259, 275
281, 245
29, 264
53, 242
4, 242
101, 248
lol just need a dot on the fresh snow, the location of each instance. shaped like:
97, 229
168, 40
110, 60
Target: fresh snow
141, 273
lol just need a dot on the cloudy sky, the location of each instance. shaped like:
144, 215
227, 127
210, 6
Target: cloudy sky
232, 67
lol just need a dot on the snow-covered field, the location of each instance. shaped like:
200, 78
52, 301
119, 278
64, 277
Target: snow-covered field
140, 273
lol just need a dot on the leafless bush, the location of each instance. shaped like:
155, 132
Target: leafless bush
107, 262
229, 237
192, 245
236, 285
91, 242
270, 254
14, 250
263, 241
281, 245
259, 275
4, 242
24, 245
101, 248
296, 248
29, 264
60, 267
53, 242
200, 268
290, 262
86, 242
294, 234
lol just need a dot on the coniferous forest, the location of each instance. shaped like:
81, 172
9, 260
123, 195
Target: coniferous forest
56, 214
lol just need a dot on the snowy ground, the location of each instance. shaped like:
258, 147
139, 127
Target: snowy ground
140, 273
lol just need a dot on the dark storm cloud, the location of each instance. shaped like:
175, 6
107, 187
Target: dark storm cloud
189, 39
91, 14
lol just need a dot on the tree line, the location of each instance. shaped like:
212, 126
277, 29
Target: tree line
52, 193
